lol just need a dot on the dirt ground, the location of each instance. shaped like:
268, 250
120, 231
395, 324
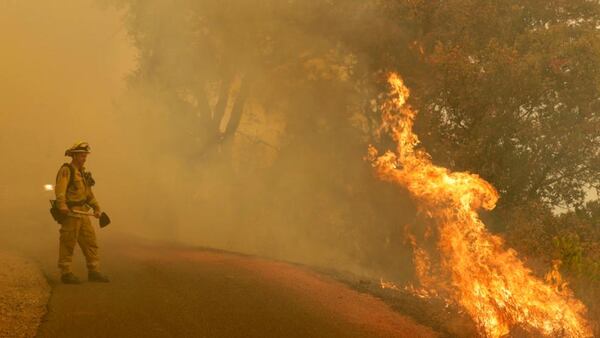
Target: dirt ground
24, 294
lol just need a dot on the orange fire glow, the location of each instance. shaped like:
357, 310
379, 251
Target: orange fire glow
489, 281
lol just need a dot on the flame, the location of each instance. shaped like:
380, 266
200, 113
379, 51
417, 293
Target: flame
48, 187
486, 279
388, 285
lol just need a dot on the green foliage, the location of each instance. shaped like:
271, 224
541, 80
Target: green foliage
573, 238
570, 251
577, 243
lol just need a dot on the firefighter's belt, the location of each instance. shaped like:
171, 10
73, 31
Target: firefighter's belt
76, 203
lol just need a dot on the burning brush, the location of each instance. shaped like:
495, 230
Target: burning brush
487, 280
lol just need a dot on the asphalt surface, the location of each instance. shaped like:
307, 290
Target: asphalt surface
162, 291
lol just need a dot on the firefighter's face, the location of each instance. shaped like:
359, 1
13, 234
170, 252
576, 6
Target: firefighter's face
80, 158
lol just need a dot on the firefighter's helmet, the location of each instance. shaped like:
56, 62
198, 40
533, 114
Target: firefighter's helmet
78, 147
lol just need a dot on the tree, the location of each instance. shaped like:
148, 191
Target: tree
513, 94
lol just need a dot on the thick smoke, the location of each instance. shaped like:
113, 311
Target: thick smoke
281, 174
62, 66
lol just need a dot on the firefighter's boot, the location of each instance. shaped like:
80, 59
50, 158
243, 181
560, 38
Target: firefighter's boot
69, 278
97, 277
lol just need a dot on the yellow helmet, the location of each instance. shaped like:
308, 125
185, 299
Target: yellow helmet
78, 147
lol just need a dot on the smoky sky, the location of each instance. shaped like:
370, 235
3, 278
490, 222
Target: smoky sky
62, 67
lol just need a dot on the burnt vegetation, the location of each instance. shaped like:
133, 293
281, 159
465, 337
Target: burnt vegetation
281, 98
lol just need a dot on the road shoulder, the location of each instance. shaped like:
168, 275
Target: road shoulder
24, 294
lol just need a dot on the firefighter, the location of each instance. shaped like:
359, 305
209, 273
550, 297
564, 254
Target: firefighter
74, 193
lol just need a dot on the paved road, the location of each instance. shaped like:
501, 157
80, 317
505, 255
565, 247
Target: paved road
159, 291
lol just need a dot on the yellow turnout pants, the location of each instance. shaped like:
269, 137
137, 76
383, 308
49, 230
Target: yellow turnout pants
77, 230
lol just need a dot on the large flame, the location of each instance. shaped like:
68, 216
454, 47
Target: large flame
489, 281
